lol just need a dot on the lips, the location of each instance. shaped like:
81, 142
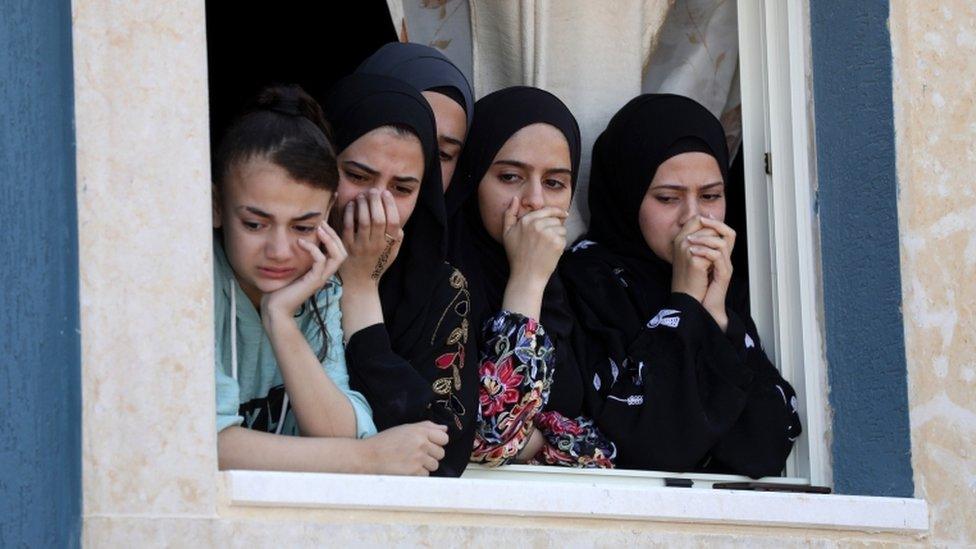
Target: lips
276, 273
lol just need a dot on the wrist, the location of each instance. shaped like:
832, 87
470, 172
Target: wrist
528, 281
273, 316
720, 318
367, 456
356, 279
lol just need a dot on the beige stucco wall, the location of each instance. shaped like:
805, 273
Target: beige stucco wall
149, 459
934, 47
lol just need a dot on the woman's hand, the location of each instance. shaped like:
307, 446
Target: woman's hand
286, 300
533, 245
535, 242
715, 242
690, 272
371, 232
412, 449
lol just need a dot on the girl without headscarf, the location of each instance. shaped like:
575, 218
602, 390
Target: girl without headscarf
677, 376
404, 308
507, 205
441, 83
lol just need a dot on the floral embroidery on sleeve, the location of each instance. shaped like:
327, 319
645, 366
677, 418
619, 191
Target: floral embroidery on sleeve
515, 374
573, 442
452, 361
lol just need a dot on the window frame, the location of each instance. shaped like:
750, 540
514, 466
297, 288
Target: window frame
784, 265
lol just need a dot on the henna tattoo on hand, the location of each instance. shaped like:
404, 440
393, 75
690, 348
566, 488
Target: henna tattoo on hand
381, 262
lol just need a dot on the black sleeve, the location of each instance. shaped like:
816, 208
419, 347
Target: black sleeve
761, 439
399, 393
671, 403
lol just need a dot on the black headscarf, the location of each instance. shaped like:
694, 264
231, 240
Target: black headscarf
424, 68
497, 117
357, 105
647, 131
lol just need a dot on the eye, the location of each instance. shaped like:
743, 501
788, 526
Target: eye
664, 199
403, 190
712, 197
510, 177
444, 156
555, 184
251, 225
354, 176
304, 229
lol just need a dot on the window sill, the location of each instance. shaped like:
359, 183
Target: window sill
572, 496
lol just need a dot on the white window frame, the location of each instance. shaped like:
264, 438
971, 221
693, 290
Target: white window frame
779, 164
783, 267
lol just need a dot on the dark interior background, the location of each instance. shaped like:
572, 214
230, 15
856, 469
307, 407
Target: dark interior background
252, 43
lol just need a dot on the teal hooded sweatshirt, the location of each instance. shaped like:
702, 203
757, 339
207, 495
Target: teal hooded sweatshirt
254, 396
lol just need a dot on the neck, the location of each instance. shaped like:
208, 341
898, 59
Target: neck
253, 294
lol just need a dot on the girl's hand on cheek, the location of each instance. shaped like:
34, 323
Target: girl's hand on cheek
535, 242
372, 233
690, 272
715, 243
286, 300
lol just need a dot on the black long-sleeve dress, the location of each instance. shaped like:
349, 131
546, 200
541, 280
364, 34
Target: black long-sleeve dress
667, 386
430, 378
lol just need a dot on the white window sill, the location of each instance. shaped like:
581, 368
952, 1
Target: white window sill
621, 495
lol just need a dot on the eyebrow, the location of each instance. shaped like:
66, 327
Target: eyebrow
261, 213
682, 187
524, 166
374, 172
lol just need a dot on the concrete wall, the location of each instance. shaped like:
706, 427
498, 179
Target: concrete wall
934, 47
40, 366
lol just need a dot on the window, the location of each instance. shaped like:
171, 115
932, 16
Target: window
148, 429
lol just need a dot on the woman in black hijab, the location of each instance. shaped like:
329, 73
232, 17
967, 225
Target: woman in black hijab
441, 83
507, 205
405, 309
677, 376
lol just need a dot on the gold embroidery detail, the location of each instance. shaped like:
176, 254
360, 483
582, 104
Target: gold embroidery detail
442, 386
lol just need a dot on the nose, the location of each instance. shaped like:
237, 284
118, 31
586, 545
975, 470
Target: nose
278, 246
532, 197
689, 210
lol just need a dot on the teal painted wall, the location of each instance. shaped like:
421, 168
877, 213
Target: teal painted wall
858, 211
40, 365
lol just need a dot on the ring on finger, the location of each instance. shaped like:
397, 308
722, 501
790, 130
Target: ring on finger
389, 238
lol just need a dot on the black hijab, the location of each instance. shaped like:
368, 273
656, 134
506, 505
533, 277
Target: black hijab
497, 117
647, 131
424, 68
357, 105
